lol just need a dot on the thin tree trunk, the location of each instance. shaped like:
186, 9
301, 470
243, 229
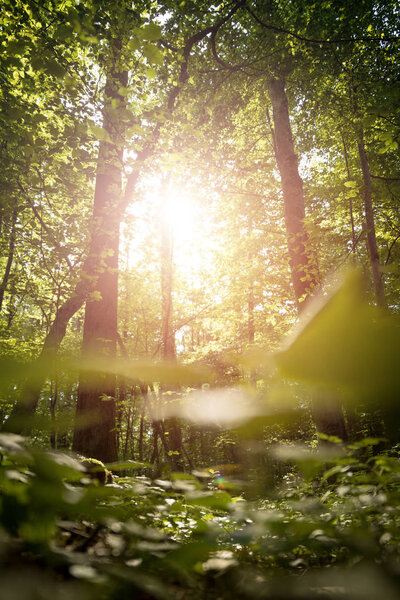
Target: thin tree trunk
351, 214
250, 292
11, 248
172, 425
141, 429
122, 413
53, 403
250, 308
128, 433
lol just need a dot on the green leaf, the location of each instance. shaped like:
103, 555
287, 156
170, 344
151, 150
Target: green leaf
151, 32
100, 133
347, 342
123, 91
153, 54
368, 441
134, 44
191, 553
54, 68
216, 501
151, 74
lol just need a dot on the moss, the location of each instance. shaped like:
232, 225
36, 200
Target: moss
97, 470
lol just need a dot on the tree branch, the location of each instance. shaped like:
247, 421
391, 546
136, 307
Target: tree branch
316, 41
173, 95
391, 248
385, 178
63, 251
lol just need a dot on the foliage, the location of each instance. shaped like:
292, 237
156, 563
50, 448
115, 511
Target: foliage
223, 488
335, 537
327, 528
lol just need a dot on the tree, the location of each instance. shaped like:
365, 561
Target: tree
249, 104
302, 262
96, 394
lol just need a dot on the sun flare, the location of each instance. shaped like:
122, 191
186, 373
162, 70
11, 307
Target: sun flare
178, 211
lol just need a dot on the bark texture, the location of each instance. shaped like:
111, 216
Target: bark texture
370, 224
95, 431
302, 263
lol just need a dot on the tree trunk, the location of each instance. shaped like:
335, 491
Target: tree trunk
327, 413
10, 257
351, 213
53, 403
141, 431
172, 425
250, 293
302, 263
95, 432
250, 318
168, 338
370, 224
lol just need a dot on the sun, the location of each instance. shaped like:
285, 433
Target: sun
183, 217
183, 211
178, 212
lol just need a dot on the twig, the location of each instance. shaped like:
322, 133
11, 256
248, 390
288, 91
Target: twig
391, 248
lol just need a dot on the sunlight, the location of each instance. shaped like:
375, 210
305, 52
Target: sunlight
188, 220
186, 209
179, 212
169, 203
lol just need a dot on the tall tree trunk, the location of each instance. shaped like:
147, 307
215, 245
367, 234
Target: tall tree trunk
250, 293
351, 212
95, 431
11, 248
172, 425
167, 333
302, 263
141, 429
370, 224
327, 412
250, 318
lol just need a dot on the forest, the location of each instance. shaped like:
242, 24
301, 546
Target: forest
199, 299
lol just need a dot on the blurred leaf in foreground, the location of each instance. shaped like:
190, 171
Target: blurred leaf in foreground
347, 342
166, 373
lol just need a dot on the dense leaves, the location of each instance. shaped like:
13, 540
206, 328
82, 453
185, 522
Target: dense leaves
149, 165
